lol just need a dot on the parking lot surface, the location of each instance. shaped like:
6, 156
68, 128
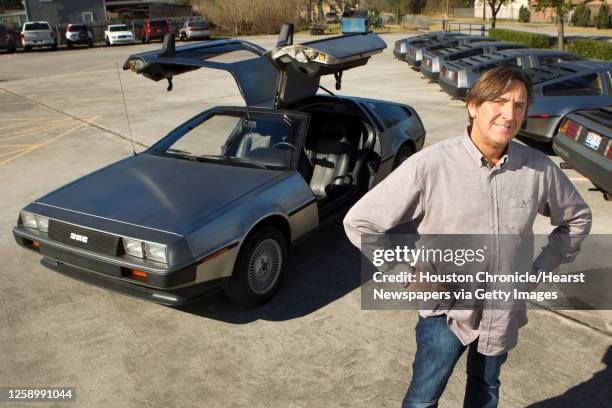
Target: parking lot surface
62, 116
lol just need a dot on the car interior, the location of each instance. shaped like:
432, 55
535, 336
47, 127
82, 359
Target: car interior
333, 160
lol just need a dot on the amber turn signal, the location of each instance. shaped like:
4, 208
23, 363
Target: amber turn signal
138, 274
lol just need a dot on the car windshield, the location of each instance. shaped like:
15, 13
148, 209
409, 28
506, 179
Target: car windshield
197, 24
76, 27
260, 140
158, 23
36, 26
118, 28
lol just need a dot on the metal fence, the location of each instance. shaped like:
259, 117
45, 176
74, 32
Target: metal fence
463, 12
420, 22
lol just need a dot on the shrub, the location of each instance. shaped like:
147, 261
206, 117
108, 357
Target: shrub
603, 17
600, 50
581, 16
524, 14
531, 39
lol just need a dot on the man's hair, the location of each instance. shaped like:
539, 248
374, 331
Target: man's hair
494, 83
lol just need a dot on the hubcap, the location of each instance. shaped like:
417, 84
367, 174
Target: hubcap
264, 266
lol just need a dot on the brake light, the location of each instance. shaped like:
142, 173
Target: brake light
68, 28
609, 149
22, 36
571, 129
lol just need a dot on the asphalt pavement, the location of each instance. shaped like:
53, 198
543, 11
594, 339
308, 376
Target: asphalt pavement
62, 116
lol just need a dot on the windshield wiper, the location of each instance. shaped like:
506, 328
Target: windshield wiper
244, 160
183, 153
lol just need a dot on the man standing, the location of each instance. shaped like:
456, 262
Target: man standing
479, 183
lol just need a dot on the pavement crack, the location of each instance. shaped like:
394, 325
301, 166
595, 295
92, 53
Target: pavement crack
85, 121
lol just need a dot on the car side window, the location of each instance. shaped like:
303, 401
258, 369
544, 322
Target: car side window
579, 86
389, 114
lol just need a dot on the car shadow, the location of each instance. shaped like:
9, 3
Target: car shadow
544, 147
595, 392
321, 269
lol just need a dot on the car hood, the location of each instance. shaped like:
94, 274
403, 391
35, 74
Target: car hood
163, 193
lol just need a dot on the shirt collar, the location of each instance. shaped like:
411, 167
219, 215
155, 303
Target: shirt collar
477, 155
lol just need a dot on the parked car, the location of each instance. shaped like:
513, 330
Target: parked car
415, 52
195, 30
433, 60
118, 34
215, 203
331, 17
559, 90
154, 30
78, 34
459, 75
37, 34
584, 141
401, 46
8, 39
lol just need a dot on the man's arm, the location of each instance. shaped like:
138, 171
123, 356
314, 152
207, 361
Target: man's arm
571, 216
395, 200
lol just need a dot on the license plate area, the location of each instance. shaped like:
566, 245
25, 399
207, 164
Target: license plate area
593, 140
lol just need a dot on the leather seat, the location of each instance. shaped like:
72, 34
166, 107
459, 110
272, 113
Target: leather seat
331, 160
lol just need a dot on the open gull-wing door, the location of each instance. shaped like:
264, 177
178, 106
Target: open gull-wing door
302, 65
255, 75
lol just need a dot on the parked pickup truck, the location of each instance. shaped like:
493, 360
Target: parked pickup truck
37, 34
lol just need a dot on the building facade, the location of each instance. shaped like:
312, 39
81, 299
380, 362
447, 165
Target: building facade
59, 12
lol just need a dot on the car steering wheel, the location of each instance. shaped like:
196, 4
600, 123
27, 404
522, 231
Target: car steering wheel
289, 145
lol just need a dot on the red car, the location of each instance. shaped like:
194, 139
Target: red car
154, 30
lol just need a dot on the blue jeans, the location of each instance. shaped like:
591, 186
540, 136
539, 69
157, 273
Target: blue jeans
438, 350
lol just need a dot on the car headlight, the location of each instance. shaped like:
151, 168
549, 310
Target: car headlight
42, 223
155, 252
133, 247
35, 221
28, 219
145, 250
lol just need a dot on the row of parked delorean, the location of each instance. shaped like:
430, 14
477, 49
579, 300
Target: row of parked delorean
572, 96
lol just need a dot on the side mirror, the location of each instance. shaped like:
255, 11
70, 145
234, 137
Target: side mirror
285, 37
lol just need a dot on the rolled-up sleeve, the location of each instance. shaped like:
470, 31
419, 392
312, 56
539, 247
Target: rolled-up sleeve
571, 216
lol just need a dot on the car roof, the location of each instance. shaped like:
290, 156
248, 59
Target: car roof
533, 51
543, 74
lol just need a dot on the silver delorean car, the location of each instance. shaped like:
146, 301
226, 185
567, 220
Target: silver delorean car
216, 203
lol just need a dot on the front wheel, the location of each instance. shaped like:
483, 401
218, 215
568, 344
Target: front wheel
259, 268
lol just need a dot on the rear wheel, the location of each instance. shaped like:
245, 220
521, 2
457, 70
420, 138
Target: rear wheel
54, 46
27, 48
68, 44
259, 268
12, 47
403, 153
90, 43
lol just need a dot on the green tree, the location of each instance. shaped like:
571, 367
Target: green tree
495, 5
603, 17
581, 16
562, 7
524, 14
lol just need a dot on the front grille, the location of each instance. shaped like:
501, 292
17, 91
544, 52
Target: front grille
96, 241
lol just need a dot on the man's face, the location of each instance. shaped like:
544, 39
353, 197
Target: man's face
496, 122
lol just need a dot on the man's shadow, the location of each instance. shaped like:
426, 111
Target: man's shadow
322, 269
593, 393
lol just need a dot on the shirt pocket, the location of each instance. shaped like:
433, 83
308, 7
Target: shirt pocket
518, 215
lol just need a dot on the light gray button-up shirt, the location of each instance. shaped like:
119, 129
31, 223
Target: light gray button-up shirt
448, 188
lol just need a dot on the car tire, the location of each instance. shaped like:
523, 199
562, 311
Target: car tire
147, 40
107, 41
68, 44
27, 48
12, 48
90, 43
403, 153
54, 46
259, 268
